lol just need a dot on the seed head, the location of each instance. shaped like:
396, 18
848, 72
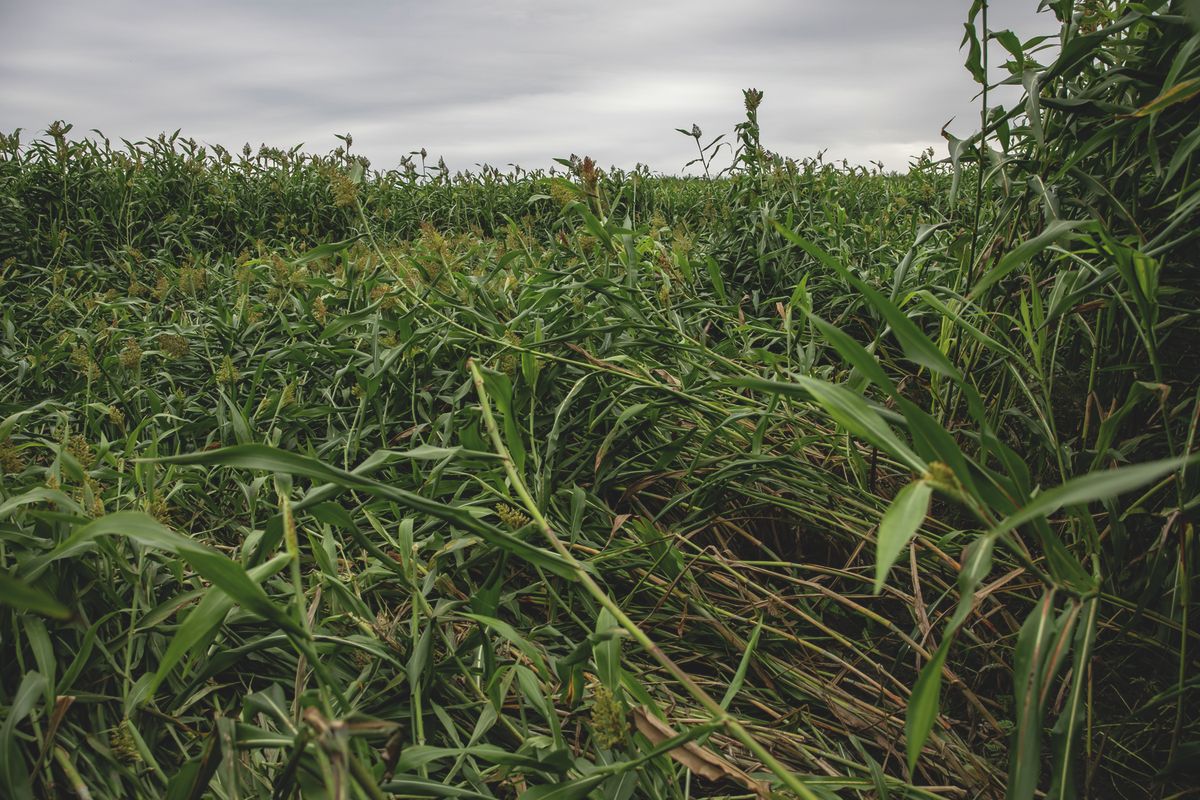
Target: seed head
753, 98
561, 194
78, 447
192, 279
384, 626
227, 373
609, 724
121, 740
511, 517
941, 476
131, 354
345, 191
159, 509
588, 174
383, 293
95, 503
82, 360
173, 345
11, 460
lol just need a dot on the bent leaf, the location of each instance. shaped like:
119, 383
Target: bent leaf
900, 522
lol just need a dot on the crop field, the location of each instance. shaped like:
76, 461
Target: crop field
800, 479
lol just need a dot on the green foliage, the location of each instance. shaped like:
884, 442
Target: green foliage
317, 478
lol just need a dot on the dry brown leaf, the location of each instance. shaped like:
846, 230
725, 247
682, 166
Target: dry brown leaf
668, 377
620, 520
703, 762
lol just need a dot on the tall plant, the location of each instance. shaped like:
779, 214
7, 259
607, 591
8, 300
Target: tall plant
1062, 400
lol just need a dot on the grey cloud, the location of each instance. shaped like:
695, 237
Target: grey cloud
521, 81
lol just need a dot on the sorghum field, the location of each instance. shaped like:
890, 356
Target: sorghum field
799, 479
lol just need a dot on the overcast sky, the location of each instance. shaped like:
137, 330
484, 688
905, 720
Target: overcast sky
500, 82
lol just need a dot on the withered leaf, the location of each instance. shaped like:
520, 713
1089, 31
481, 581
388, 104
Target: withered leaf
703, 762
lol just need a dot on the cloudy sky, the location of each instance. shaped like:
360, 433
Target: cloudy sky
508, 81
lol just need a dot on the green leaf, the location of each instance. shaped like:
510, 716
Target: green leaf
1025, 756
854, 353
622, 418
974, 62
900, 522
271, 459
924, 703
606, 648
10, 422
414, 786
190, 782
1055, 232
416, 756
516, 639
568, 790
1071, 720
13, 773
976, 564
739, 677
916, 345
1179, 93
148, 532
324, 251
934, 443
714, 275
848, 409
1093, 486
37, 495
500, 390
203, 620
20, 595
